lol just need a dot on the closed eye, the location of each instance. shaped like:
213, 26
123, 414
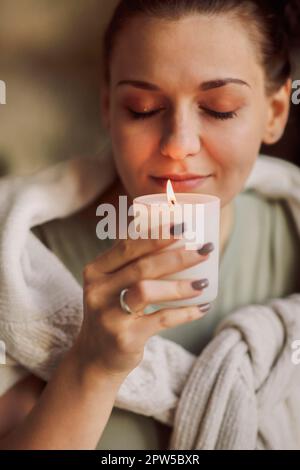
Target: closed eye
219, 115
137, 115
210, 112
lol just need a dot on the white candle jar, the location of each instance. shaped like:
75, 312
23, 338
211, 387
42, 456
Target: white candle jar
201, 215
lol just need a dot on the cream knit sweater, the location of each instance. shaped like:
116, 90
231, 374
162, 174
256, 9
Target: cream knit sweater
242, 392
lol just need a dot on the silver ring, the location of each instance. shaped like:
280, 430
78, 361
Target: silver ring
124, 306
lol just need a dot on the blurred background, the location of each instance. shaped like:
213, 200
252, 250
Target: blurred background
50, 59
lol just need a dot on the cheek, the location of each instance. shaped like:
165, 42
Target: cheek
234, 153
133, 145
133, 142
236, 146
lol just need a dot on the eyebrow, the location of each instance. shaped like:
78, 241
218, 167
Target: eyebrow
205, 86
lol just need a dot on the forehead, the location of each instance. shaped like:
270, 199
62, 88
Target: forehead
182, 52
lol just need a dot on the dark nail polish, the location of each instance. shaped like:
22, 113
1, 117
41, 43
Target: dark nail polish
177, 229
206, 249
199, 285
204, 308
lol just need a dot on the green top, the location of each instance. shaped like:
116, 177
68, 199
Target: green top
259, 263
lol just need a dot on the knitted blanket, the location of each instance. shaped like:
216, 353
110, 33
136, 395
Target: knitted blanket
242, 392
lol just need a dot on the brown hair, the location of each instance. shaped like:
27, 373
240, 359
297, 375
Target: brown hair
273, 24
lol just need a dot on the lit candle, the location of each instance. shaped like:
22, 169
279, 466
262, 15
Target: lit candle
170, 193
201, 216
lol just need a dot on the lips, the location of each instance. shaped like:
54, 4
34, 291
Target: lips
178, 177
181, 182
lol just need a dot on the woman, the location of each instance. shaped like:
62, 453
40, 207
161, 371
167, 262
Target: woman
208, 82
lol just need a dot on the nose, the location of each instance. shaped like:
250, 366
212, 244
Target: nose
181, 137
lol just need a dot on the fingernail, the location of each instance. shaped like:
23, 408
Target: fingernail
204, 308
177, 229
206, 249
199, 285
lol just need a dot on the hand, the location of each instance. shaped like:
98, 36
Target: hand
109, 338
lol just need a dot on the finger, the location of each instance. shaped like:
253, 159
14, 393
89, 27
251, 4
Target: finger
126, 251
144, 293
151, 324
153, 267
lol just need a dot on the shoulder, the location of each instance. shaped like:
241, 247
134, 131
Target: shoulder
266, 236
79, 226
65, 228
272, 237
265, 213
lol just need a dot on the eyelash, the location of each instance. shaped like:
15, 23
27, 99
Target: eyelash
210, 112
141, 116
221, 116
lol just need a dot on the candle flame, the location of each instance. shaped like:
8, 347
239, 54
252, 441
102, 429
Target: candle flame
170, 193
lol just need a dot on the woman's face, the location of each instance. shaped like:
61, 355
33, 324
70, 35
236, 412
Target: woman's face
186, 97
